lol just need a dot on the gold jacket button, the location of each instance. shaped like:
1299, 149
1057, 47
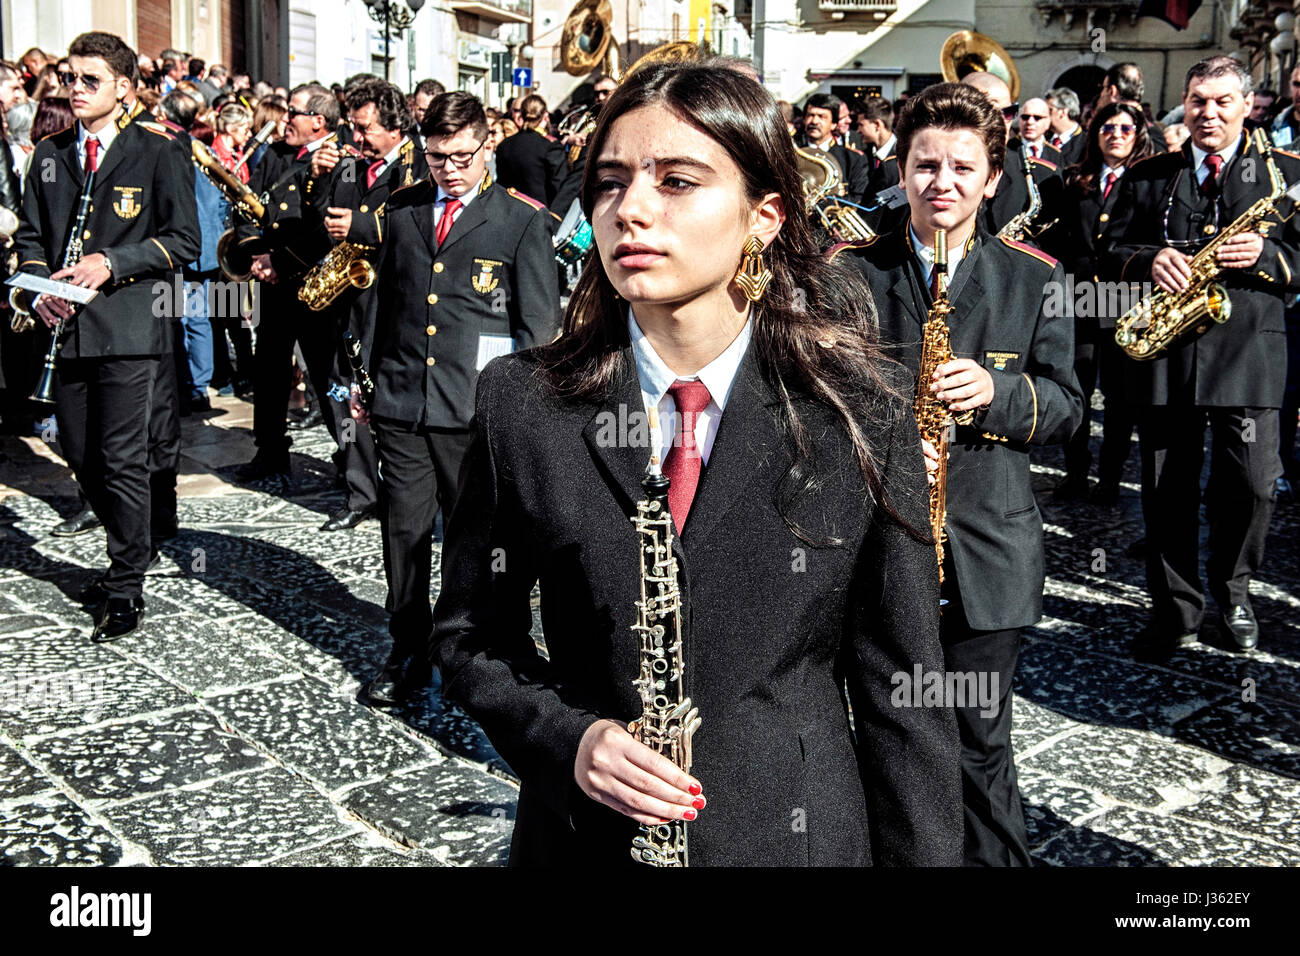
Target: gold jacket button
364, 208
284, 205
292, 187
1104, 217
86, 234
431, 330
437, 267
1209, 229
429, 361
433, 299
275, 225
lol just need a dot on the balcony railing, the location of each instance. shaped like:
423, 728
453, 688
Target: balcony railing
498, 11
881, 8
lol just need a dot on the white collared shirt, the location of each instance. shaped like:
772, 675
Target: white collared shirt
1198, 158
1035, 146
1066, 137
656, 377
926, 255
105, 137
887, 148
465, 200
1107, 170
388, 160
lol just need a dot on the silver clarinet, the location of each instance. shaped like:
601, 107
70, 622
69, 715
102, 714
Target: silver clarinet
668, 718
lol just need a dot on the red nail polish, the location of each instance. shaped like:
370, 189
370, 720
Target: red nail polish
695, 789
688, 815
698, 803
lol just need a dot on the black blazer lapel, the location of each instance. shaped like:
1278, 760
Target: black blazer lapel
68, 157
122, 144
475, 214
423, 216
618, 434
1237, 192
746, 441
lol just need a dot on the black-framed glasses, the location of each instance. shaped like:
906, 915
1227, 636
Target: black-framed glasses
1123, 129
90, 82
1030, 117
459, 160
294, 111
1009, 112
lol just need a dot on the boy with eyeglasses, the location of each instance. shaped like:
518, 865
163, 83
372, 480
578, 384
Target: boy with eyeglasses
467, 273
142, 226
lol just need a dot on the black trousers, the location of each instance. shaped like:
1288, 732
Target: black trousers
994, 815
357, 459
1291, 396
1244, 465
419, 470
103, 407
165, 435
1103, 359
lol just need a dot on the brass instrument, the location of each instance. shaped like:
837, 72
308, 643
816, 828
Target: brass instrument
343, 267
668, 719
823, 184
933, 417
235, 263
1151, 325
22, 320
966, 52
366, 384
1017, 227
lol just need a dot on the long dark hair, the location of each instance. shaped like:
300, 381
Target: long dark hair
1082, 177
814, 330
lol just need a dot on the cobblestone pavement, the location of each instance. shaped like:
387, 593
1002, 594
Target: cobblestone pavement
227, 731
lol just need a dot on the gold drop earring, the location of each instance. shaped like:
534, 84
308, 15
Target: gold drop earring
754, 275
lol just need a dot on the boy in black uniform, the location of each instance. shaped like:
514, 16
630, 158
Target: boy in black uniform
143, 226
349, 192
1013, 367
1229, 376
467, 274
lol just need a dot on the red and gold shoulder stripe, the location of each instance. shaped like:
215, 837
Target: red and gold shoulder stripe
1043, 162
525, 198
1028, 250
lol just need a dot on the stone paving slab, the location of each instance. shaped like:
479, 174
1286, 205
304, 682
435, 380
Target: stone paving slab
359, 850
51, 830
117, 761
1263, 735
343, 654
53, 703
18, 778
461, 816
241, 819
1052, 806
311, 730
51, 650
1252, 802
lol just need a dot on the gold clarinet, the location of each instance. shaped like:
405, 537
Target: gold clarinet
933, 417
668, 718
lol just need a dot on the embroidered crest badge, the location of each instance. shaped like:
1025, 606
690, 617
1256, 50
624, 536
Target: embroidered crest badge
125, 204
484, 280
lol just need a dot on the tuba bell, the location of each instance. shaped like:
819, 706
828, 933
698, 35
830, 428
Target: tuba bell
588, 40
966, 52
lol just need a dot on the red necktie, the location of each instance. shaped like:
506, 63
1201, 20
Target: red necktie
301, 153
92, 155
1056, 141
1214, 163
448, 216
373, 173
1033, 151
684, 462
1111, 179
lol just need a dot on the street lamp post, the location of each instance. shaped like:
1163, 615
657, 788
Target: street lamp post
395, 17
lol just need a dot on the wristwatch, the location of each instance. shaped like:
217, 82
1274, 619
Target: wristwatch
107, 264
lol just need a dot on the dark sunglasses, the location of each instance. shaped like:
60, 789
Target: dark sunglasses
91, 83
1030, 117
1009, 112
459, 160
294, 111
1124, 129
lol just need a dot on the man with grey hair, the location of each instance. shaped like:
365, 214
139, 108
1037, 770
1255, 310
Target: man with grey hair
1066, 133
1228, 376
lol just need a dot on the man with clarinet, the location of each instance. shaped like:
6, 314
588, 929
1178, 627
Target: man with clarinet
138, 223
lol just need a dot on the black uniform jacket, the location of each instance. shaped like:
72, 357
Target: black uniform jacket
1078, 241
440, 311
1006, 320
1243, 361
1012, 196
855, 170
142, 216
550, 484
1072, 149
293, 231
344, 187
533, 164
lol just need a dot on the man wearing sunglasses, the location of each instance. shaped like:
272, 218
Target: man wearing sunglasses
1228, 376
142, 226
1012, 196
348, 190
467, 273
290, 242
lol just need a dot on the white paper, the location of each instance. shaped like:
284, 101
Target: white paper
491, 346
60, 290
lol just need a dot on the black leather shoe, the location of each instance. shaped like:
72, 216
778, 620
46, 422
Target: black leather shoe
1071, 489
302, 423
262, 467
347, 518
93, 594
1239, 621
120, 616
1105, 494
77, 524
401, 678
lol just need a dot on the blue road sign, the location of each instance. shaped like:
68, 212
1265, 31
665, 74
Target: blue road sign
524, 77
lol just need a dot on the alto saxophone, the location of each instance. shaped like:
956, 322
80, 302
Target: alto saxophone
344, 266
823, 184
668, 719
1017, 228
933, 417
1151, 325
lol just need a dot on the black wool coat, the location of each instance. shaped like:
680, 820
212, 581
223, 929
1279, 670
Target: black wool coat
774, 629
